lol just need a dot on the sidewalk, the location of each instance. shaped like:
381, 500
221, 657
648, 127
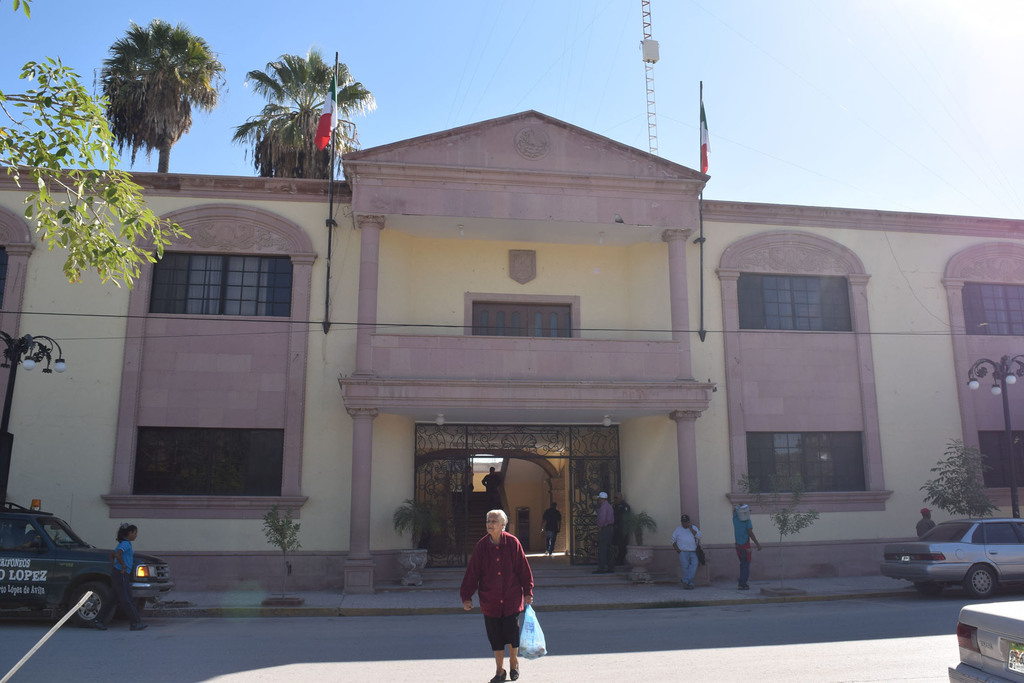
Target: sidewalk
424, 600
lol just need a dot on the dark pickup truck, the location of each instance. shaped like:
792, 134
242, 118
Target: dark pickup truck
45, 566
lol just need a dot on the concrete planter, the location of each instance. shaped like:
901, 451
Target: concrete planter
411, 562
639, 558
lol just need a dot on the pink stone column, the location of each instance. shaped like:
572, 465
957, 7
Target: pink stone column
686, 451
359, 563
676, 240
369, 264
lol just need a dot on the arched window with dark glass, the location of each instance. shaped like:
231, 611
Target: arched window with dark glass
218, 284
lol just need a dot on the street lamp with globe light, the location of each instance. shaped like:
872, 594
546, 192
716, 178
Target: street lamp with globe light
1004, 372
27, 351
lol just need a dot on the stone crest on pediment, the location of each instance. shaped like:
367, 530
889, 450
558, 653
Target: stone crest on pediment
532, 143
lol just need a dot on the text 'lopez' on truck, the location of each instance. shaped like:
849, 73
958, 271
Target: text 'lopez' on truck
45, 566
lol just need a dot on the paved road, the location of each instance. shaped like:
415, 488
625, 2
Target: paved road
852, 640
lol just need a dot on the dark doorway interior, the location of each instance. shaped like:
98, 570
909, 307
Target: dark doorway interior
537, 464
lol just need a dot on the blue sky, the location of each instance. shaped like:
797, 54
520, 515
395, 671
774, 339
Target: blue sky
903, 105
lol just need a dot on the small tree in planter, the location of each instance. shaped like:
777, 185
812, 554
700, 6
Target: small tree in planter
636, 523
639, 556
959, 488
282, 531
782, 503
421, 520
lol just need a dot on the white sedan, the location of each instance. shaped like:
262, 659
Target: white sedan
991, 639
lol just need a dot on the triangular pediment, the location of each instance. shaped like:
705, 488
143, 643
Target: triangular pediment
530, 142
524, 177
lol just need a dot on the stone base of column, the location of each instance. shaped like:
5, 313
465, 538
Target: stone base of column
359, 576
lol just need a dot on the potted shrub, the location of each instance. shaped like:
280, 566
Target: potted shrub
639, 556
282, 531
421, 521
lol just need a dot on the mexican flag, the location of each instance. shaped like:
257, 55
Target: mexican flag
329, 117
705, 141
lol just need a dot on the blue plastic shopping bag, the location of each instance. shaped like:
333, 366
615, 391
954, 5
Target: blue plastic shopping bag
531, 640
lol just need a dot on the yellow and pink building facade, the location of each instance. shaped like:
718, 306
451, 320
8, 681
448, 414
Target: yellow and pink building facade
520, 294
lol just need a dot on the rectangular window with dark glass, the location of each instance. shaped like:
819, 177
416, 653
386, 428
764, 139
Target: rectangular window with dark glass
993, 447
215, 284
182, 461
824, 461
522, 319
994, 309
794, 302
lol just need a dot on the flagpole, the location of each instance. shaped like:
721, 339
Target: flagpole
330, 222
702, 333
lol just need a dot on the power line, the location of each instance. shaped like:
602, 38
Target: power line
351, 326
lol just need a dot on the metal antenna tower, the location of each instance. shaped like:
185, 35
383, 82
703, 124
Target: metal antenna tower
649, 50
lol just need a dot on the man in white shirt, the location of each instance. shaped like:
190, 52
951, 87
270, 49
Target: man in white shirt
684, 540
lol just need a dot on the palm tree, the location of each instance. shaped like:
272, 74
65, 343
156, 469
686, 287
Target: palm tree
281, 136
152, 79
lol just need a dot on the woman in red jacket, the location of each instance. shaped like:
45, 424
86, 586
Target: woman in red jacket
499, 572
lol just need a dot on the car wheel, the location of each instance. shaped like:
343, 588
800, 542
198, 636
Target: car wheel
93, 607
980, 582
929, 588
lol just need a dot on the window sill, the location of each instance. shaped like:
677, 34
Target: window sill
823, 501
200, 507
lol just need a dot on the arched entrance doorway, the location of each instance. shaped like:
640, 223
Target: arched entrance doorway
537, 464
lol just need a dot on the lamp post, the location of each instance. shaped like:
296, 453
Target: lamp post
27, 351
1005, 371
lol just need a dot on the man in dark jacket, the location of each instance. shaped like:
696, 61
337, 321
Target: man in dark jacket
621, 509
552, 525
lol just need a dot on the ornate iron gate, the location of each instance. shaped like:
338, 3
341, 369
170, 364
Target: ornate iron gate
444, 473
590, 472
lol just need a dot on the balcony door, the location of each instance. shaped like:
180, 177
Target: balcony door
506, 319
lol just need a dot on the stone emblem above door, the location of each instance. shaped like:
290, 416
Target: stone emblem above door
522, 265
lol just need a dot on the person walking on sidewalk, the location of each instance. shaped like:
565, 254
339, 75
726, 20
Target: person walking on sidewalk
684, 540
744, 531
552, 525
605, 532
123, 560
500, 574
492, 483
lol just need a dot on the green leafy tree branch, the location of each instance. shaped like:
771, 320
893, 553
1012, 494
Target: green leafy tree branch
55, 140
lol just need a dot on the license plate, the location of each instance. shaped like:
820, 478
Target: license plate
1015, 657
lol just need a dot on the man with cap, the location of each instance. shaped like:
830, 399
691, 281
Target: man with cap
743, 529
925, 524
684, 540
605, 531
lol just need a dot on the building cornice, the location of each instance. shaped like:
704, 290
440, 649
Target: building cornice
420, 175
226, 187
860, 219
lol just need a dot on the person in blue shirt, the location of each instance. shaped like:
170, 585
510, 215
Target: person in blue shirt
744, 531
123, 562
